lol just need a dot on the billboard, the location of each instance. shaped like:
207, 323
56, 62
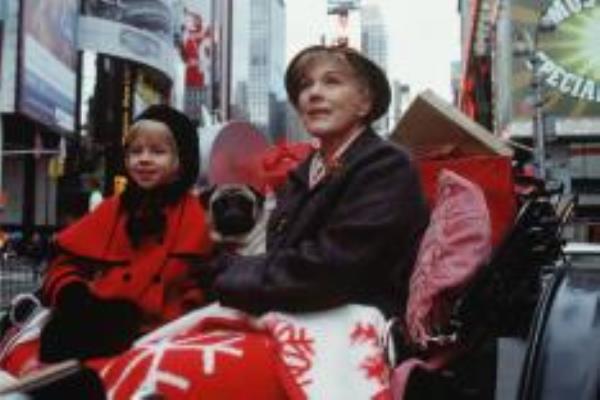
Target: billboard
561, 42
1, 38
343, 23
2, 16
48, 55
145, 93
341, 6
196, 38
137, 30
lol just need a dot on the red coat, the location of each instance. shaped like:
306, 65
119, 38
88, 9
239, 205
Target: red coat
157, 277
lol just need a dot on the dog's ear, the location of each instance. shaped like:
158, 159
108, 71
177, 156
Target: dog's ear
205, 194
260, 197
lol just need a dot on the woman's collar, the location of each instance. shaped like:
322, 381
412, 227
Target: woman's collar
342, 146
347, 156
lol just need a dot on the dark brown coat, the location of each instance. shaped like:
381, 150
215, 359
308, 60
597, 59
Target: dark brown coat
351, 239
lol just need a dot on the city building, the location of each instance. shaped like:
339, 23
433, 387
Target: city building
531, 74
38, 102
373, 44
128, 61
258, 64
400, 96
74, 74
455, 77
475, 93
343, 26
295, 131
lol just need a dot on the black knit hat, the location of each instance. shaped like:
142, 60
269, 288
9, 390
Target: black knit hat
365, 69
185, 136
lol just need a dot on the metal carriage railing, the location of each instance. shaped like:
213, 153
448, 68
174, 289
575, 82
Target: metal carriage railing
18, 274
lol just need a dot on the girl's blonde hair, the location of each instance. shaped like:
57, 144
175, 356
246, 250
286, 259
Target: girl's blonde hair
145, 125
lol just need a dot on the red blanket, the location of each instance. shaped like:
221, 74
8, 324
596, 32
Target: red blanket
223, 353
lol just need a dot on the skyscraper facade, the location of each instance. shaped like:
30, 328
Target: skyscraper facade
257, 67
374, 45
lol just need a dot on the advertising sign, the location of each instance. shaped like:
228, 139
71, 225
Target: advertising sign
563, 40
344, 23
138, 30
2, 13
47, 77
145, 93
196, 38
340, 6
1, 43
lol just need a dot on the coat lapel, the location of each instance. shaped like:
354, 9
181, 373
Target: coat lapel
101, 235
94, 235
292, 218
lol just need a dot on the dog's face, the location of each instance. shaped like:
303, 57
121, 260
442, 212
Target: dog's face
233, 209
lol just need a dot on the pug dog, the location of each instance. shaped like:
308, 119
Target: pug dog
237, 217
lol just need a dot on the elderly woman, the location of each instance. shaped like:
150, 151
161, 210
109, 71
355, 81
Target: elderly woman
348, 221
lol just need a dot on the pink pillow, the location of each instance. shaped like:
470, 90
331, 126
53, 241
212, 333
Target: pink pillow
456, 243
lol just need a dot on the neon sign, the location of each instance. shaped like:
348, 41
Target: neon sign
570, 59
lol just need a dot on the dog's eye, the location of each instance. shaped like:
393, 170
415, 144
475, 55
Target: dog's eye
219, 206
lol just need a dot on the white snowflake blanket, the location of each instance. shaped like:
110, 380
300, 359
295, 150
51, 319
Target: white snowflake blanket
218, 352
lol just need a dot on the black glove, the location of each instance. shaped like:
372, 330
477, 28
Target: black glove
423, 384
205, 271
84, 384
82, 326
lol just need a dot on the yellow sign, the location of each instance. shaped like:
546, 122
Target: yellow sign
564, 42
56, 167
119, 184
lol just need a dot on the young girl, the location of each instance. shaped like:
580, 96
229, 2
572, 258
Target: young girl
128, 266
